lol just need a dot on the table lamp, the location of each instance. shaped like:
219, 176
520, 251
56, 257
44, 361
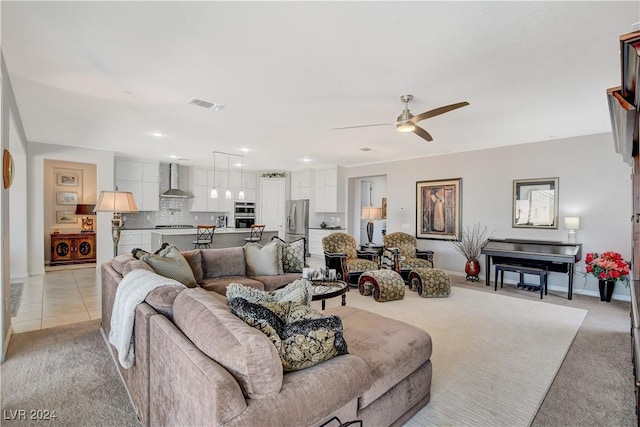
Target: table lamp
370, 213
572, 223
87, 221
118, 202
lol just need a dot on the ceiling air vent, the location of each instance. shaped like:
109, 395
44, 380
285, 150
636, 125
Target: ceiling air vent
206, 104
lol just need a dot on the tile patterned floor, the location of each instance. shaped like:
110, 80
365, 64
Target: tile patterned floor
58, 298
62, 297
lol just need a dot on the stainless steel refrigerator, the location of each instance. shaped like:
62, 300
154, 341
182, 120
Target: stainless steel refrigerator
298, 221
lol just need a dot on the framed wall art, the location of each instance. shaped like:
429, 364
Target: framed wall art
66, 198
535, 203
66, 217
69, 179
438, 209
384, 208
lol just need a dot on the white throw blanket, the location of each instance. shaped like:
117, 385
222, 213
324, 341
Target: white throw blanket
132, 290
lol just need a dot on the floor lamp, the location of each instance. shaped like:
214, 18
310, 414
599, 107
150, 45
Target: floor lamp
118, 202
370, 213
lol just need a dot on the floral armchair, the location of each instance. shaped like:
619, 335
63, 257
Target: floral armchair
410, 257
340, 253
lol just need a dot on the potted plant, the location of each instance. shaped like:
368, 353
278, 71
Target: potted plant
608, 268
471, 241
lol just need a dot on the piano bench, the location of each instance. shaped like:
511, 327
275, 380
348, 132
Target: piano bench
522, 270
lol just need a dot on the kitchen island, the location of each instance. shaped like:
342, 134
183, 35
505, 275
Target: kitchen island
222, 238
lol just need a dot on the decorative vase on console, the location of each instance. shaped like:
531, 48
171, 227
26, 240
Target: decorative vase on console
608, 268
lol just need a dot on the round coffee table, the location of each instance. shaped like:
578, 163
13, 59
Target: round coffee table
325, 289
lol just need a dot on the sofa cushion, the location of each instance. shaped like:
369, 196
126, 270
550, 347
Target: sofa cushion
392, 349
271, 283
223, 262
263, 260
194, 258
219, 284
161, 299
245, 352
172, 264
120, 261
135, 264
292, 256
302, 336
299, 291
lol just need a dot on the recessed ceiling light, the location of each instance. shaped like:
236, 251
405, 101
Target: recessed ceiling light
245, 150
366, 149
157, 133
306, 160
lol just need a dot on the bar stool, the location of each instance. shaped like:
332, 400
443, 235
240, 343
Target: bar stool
256, 234
204, 236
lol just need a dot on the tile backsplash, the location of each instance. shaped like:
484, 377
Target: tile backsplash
173, 211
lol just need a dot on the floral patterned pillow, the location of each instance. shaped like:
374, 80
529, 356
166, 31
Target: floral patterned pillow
293, 256
302, 336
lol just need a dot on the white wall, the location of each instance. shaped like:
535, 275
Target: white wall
37, 153
594, 184
18, 206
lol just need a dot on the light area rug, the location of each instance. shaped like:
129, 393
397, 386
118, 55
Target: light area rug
494, 357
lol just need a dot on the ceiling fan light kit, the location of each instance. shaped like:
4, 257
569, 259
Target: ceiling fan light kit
406, 122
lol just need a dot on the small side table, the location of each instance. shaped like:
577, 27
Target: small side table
323, 290
372, 248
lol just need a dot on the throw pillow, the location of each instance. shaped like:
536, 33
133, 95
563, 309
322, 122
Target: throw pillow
170, 263
308, 340
299, 291
292, 256
262, 260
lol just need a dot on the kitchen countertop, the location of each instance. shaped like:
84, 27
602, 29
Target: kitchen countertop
327, 228
192, 231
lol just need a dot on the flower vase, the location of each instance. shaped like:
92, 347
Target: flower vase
606, 289
472, 268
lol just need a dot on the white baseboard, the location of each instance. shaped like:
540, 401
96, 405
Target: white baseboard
582, 291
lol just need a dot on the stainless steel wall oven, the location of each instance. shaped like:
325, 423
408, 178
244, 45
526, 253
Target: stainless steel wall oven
244, 214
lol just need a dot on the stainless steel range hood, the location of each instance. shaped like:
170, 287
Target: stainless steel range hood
174, 190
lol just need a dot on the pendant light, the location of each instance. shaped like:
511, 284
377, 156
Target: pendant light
214, 192
227, 194
241, 193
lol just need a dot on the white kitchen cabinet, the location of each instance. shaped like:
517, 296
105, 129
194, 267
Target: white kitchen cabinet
202, 182
315, 241
272, 204
329, 190
132, 239
301, 184
142, 179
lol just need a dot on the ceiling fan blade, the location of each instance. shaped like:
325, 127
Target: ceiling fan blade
422, 133
363, 126
438, 111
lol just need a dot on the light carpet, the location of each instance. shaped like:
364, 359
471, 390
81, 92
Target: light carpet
494, 357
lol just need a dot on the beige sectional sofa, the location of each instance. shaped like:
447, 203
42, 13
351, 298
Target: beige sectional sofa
198, 364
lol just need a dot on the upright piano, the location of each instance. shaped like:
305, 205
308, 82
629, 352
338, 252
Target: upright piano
554, 256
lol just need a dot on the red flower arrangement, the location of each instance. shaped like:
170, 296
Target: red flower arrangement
607, 266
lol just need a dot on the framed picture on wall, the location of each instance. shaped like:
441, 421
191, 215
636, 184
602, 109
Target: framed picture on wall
66, 198
438, 209
66, 217
535, 203
384, 208
70, 179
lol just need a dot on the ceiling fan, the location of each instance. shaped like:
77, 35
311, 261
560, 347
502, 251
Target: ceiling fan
406, 122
